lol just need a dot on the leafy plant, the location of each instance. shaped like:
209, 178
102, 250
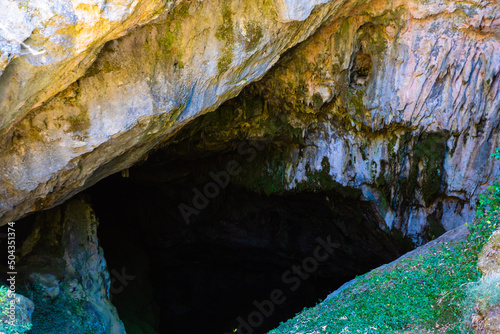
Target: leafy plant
417, 293
482, 295
488, 214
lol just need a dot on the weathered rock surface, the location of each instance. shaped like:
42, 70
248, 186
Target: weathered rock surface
400, 102
142, 87
63, 265
407, 106
401, 99
488, 321
489, 260
487, 317
49, 45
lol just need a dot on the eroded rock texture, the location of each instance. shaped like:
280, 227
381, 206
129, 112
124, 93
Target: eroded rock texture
50, 44
399, 99
489, 260
64, 270
142, 87
401, 102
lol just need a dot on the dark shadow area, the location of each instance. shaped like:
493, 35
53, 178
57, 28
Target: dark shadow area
191, 249
224, 262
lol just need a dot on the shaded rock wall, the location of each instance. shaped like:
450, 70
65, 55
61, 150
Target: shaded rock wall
142, 87
63, 270
400, 98
401, 103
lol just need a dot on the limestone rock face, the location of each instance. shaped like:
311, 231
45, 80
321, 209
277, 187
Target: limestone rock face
399, 99
63, 264
141, 88
400, 102
406, 103
48, 45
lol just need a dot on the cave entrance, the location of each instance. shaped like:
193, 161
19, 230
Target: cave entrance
243, 260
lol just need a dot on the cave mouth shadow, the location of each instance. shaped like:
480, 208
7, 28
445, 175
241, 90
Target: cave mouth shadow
247, 260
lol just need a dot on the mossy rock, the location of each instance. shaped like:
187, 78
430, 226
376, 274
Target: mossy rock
431, 152
80, 122
62, 314
489, 260
253, 35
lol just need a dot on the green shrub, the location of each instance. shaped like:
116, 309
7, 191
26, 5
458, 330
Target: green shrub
486, 292
488, 214
482, 295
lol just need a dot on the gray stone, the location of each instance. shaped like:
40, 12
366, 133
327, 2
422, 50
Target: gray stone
433, 87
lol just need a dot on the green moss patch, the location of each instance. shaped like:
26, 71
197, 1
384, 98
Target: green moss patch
318, 179
254, 35
225, 33
422, 292
7, 326
430, 151
169, 36
80, 122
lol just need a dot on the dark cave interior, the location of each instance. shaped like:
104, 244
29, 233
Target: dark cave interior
192, 249
218, 270
206, 273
